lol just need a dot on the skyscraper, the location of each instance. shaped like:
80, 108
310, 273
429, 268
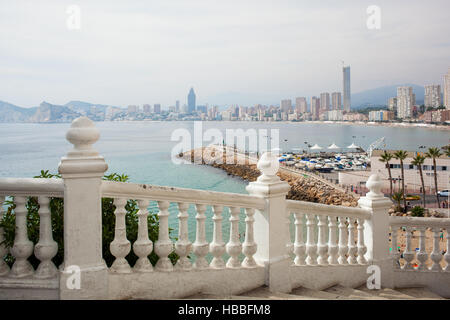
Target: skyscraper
301, 106
336, 100
447, 90
346, 88
405, 102
315, 108
191, 101
177, 106
325, 101
392, 104
157, 108
432, 96
286, 105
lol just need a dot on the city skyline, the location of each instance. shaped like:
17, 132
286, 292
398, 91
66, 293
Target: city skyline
160, 50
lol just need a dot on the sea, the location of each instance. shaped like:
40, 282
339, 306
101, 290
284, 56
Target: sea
142, 150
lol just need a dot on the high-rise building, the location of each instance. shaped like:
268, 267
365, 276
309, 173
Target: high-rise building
447, 90
315, 108
346, 88
147, 108
325, 101
286, 105
157, 108
133, 109
392, 104
191, 101
433, 96
405, 102
177, 106
301, 106
336, 100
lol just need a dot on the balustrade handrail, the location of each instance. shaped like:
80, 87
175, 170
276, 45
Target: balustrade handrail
114, 189
31, 187
419, 222
327, 210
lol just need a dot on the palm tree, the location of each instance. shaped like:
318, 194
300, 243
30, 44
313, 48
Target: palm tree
446, 150
434, 153
385, 158
418, 161
397, 197
401, 155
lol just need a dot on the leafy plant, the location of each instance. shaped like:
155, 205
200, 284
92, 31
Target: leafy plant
56, 206
417, 211
398, 197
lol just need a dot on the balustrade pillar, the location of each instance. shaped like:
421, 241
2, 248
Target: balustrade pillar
120, 246
394, 250
82, 171
436, 255
234, 246
352, 248
332, 241
249, 247
4, 269
322, 247
447, 254
23, 247
422, 255
163, 246
299, 245
362, 249
217, 246
183, 246
46, 248
289, 244
200, 245
343, 247
311, 247
408, 254
143, 246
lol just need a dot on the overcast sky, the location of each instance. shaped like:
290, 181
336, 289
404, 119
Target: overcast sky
136, 52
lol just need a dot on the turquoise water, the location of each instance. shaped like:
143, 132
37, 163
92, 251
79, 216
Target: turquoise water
143, 149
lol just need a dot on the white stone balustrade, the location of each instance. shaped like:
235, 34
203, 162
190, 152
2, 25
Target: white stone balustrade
201, 247
234, 246
120, 247
183, 246
143, 246
164, 246
217, 247
4, 269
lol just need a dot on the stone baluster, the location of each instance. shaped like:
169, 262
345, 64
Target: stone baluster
422, 255
343, 247
408, 254
143, 246
332, 241
200, 245
46, 248
234, 246
289, 244
299, 245
249, 247
447, 254
322, 246
4, 269
436, 255
394, 251
163, 246
352, 248
217, 247
183, 246
362, 249
120, 246
311, 247
23, 247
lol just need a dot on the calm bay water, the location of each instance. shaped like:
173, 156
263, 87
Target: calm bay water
142, 150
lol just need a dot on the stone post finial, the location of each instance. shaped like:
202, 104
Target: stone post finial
82, 134
374, 184
268, 165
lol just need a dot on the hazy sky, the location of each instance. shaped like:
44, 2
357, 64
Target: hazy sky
136, 52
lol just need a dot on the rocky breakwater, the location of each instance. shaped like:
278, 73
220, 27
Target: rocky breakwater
302, 187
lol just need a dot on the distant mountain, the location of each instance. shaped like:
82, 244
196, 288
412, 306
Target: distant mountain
86, 107
12, 113
380, 96
47, 112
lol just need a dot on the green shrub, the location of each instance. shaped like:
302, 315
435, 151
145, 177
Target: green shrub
56, 205
417, 211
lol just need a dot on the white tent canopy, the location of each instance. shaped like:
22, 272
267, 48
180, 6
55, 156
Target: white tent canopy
353, 146
316, 147
334, 146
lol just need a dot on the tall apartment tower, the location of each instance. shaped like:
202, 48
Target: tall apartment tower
315, 108
301, 106
405, 102
336, 102
286, 105
177, 106
191, 101
447, 90
157, 108
346, 88
392, 104
325, 101
433, 95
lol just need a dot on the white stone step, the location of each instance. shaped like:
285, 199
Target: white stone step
264, 293
387, 293
302, 291
420, 293
345, 293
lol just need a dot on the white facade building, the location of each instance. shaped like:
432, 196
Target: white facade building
447, 90
405, 102
433, 96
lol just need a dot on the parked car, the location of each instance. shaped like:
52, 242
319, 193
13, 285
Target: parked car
443, 193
